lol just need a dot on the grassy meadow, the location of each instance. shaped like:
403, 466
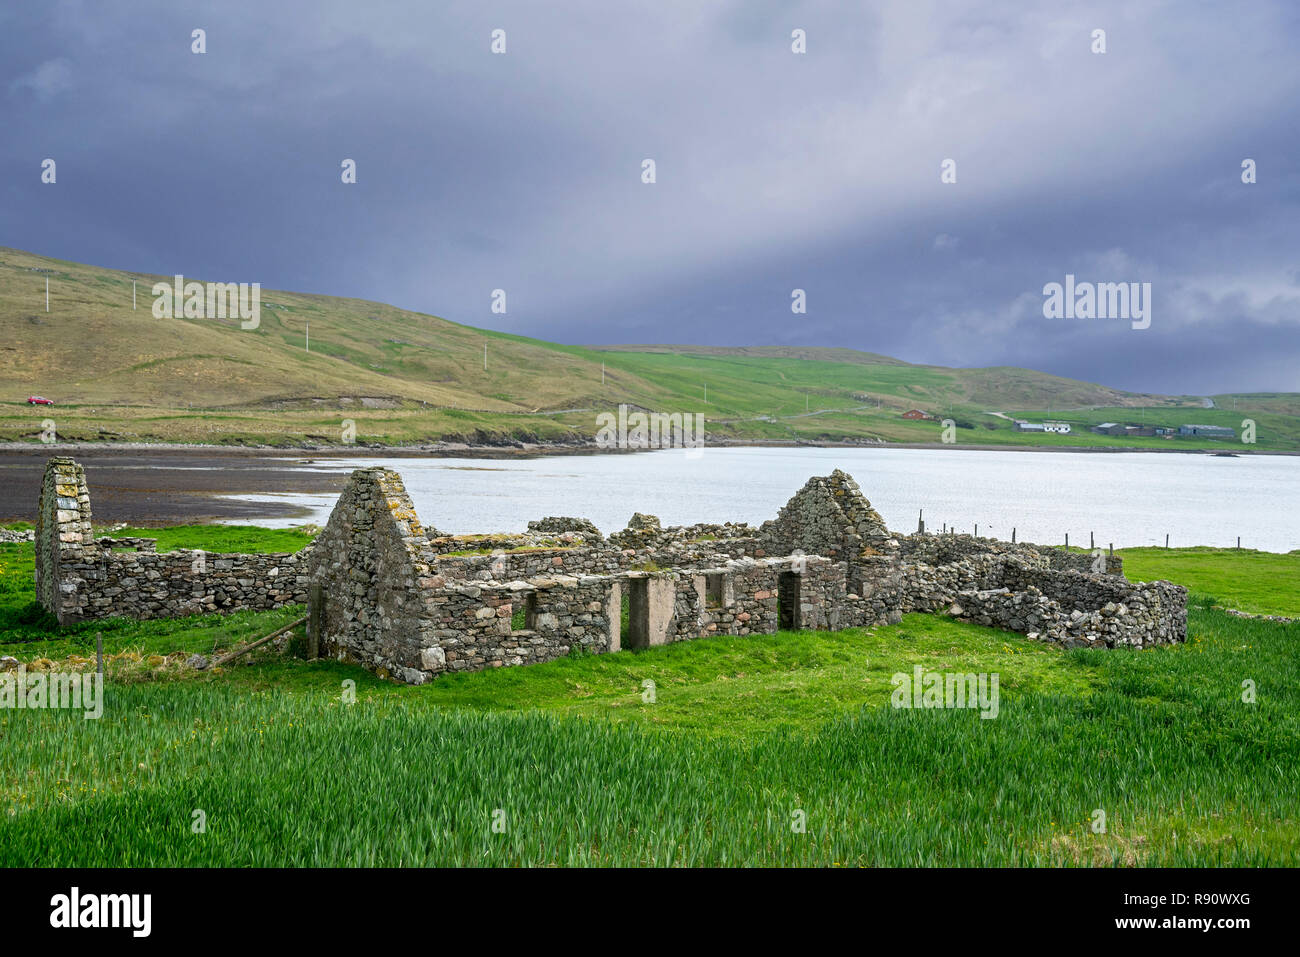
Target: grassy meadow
575, 763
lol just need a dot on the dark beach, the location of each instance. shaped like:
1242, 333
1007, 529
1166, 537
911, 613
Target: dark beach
168, 486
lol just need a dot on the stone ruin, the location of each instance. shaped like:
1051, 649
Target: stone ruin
80, 577
408, 602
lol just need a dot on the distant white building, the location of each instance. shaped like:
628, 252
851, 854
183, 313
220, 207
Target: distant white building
1030, 426
1062, 428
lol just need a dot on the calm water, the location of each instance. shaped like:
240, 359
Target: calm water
1131, 498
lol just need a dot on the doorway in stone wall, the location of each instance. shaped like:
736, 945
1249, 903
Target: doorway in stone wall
788, 601
638, 614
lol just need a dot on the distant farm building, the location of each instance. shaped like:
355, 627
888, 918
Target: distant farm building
1133, 431
1060, 428
916, 414
1030, 427
1207, 431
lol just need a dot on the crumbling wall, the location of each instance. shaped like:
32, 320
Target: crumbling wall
1150, 613
80, 578
943, 549
561, 524
370, 576
468, 627
931, 587
385, 595
510, 565
831, 517
743, 597
1072, 608
65, 542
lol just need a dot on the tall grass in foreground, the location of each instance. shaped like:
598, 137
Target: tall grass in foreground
1186, 773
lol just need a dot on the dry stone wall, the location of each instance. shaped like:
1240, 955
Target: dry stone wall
469, 627
1152, 614
370, 577
944, 549
1028, 595
79, 577
529, 562
830, 517
562, 524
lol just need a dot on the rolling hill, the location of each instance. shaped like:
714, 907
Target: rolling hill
117, 373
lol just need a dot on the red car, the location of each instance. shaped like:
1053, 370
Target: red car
39, 400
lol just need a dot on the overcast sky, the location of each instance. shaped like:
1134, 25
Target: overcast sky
775, 170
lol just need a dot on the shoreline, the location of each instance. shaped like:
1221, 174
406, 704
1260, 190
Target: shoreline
539, 450
156, 485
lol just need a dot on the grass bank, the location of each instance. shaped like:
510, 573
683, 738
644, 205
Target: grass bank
574, 762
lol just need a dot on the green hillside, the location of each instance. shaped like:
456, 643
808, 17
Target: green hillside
120, 374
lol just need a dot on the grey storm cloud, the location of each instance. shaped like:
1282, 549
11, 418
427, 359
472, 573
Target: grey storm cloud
775, 170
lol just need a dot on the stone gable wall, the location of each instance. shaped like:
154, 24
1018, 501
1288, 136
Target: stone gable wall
829, 516
369, 565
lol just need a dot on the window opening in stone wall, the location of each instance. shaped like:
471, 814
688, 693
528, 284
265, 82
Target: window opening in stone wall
525, 615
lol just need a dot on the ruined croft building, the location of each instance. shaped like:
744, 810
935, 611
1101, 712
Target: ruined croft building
408, 602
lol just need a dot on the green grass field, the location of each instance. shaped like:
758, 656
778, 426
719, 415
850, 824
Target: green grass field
1259, 582
743, 737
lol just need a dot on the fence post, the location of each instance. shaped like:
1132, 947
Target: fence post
99, 654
